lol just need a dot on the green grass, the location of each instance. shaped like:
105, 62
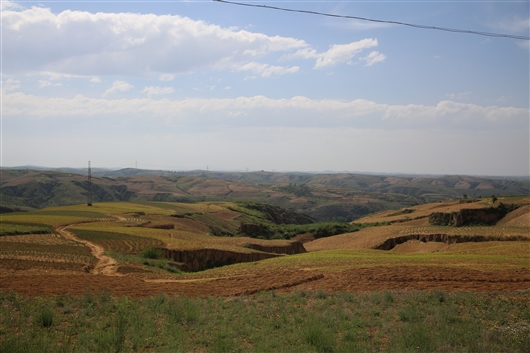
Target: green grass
473, 256
71, 213
268, 322
114, 208
152, 253
17, 228
42, 218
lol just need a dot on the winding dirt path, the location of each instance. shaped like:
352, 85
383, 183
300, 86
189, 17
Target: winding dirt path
106, 265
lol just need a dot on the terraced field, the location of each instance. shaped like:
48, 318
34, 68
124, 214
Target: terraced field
482, 258
118, 242
40, 253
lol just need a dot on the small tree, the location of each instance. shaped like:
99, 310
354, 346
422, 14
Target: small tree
493, 199
464, 196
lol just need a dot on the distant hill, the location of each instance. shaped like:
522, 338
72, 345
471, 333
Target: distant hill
339, 196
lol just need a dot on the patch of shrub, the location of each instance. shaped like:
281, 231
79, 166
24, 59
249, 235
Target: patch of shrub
316, 334
152, 253
45, 317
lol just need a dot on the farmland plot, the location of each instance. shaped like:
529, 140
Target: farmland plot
14, 229
43, 252
118, 242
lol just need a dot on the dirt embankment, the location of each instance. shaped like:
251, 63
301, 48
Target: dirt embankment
203, 259
488, 216
443, 238
291, 249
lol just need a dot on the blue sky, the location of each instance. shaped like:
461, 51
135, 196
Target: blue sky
184, 85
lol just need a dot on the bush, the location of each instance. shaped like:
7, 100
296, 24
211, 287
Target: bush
317, 335
45, 317
152, 253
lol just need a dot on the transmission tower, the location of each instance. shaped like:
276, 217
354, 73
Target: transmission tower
89, 194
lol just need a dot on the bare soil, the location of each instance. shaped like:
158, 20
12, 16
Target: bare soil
518, 218
354, 280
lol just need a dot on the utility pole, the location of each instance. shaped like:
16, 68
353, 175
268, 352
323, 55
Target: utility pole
89, 194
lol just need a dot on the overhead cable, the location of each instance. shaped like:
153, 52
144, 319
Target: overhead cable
456, 30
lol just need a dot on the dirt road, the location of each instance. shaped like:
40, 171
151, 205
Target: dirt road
106, 265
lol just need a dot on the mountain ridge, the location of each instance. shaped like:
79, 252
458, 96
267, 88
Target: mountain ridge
341, 196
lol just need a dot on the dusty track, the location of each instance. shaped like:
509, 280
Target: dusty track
106, 265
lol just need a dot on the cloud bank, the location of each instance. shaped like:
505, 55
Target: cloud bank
96, 44
263, 111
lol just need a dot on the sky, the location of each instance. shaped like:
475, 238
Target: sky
184, 85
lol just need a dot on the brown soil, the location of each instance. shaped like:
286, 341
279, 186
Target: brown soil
18, 264
419, 246
422, 278
519, 218
365, 238
362, 279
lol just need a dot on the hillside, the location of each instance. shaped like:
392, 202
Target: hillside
323, 197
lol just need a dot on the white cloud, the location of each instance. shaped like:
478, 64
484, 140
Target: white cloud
120, 86
95, 80
265, 70
514, 24
44, 83
459, 96
54, 76
83, 44
8, 5
525, 44
152, 90
263, 111
87, 44
373, 57
336, 54
358, 25
167, 77
11, 84
343, 53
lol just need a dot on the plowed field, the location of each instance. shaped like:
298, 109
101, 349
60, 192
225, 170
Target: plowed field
362, 279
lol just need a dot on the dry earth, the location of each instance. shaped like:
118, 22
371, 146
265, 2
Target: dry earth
362, 279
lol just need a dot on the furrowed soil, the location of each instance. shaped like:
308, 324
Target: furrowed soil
354, 280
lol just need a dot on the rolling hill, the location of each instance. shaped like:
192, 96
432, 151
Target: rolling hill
324, 197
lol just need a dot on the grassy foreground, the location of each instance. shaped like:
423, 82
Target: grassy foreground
268, 322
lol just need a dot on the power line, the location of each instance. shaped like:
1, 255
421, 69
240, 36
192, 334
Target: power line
456, 30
